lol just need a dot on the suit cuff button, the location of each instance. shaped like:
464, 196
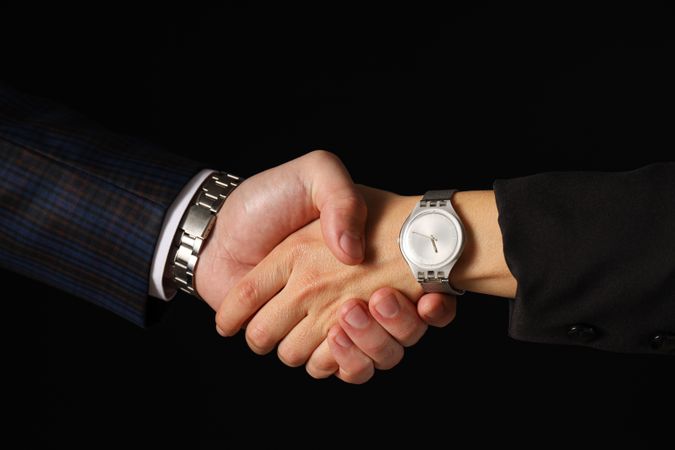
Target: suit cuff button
582, 333
664, 342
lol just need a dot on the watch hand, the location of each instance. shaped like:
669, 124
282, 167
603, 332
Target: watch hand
433, 242
432, 238
420, 234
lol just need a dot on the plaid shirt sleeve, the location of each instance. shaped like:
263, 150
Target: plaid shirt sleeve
81, 208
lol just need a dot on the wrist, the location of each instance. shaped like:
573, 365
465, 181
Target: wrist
481, 267
195, 229
386, 214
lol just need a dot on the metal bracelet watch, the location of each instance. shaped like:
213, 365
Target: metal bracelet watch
195, 227
432, 240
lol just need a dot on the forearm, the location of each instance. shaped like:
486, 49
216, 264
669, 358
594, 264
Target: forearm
482, 267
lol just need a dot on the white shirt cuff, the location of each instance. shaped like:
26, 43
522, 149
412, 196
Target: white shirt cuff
169, 228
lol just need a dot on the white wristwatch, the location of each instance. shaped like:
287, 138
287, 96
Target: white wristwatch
432, 240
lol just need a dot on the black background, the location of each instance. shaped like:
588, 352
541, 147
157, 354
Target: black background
410, 100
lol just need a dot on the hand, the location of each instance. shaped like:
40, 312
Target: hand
353, 352
296, 192
482, 268
297, 289
269, 206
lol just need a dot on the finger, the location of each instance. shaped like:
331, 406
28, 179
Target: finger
398, 315
355, 367
254, 290
368, 335
321, 364
342, 208
274, 320
300, 342
437, 310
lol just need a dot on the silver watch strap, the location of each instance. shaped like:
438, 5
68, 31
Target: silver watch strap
196, 226
437, 281
441, 285
439, 195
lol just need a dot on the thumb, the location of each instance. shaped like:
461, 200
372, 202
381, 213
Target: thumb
341, 207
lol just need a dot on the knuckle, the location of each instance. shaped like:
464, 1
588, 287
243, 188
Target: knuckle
350, 203
324, 365
360, 375
291, 356
319, 369
320, 156
392, 358
259, 339
298, 246
246, 294
379, 349
309, 283
410, 335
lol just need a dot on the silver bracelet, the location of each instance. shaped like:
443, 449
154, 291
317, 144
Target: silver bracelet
195, 227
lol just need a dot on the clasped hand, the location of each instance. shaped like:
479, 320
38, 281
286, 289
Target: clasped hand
288, 260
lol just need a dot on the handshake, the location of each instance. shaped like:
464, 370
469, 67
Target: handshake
291, 259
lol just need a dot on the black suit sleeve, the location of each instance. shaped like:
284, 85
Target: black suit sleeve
594, 257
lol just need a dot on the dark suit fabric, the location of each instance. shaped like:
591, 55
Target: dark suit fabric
81, 208
592, 251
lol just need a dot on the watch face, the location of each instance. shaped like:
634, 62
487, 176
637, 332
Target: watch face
431, 239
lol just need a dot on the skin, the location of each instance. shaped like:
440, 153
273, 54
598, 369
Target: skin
481, 268
273, 204
298, 288
298, 293
360, 348
268, 207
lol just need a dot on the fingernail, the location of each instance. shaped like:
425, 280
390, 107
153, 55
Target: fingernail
352, 244
342, 340
220, 331
387, 307
357, 318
